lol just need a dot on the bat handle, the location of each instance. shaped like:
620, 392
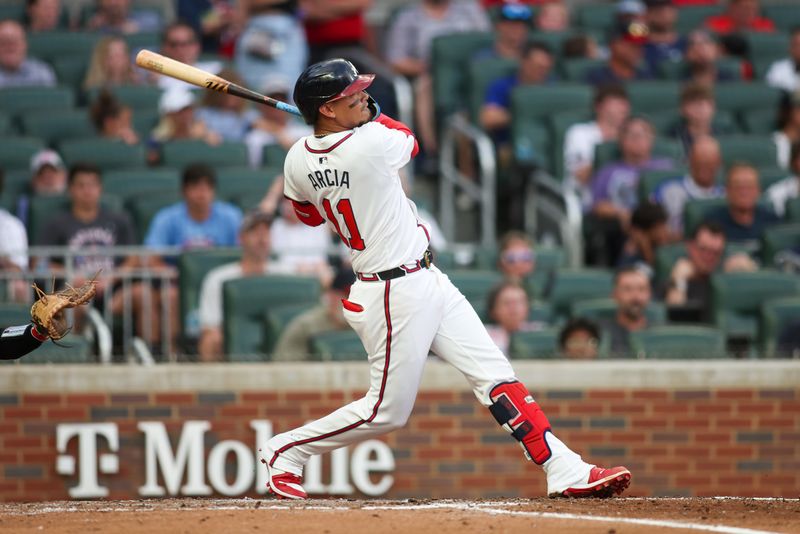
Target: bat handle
288, 108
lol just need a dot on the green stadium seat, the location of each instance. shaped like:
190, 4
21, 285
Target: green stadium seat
768, 176
127, 184
572, 285
276, 320
595, 16
475, 286
653, 95
785, 15
575, 69
182, 153
768, 46
759, 121
776, 314
137, 97
739, 97
608, 152
16, 181
16, 152
139, 40
548, 261
535, 102
450, 55
649, 181
12, 314
666, 256
234, 182
144, 122
692, 17
738, 298
343, 345
54, 126
273, 156
605, 309
481, 75
71, 71
53, 44
757, 150
679, 342
246, 300
540, 345
793, 210
541, 312
71, 349
6, 126
696, 211
105, 153
553, 40
44, 208
559, 124
193, 266
777, 239
143, 208
13, 11
678, 71
17, 101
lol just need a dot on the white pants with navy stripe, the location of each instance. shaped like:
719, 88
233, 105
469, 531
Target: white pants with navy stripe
402, 321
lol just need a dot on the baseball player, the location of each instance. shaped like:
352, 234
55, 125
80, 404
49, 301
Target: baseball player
401, 306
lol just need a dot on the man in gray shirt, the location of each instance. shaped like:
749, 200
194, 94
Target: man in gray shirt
632, 295
16, 68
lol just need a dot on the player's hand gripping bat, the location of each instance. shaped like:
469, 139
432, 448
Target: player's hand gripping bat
189, 74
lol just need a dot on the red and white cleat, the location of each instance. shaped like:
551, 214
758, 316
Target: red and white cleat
286, 485
602, 483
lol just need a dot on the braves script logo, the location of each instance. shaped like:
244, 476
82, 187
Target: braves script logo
187, 470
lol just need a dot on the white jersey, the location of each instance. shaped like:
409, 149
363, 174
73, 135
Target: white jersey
352, 179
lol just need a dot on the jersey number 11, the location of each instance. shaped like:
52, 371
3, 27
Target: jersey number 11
346, 210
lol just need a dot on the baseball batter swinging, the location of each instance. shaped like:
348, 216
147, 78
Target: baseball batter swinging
402, 307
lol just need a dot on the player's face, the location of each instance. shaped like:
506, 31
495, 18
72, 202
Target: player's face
350, 111
632, 294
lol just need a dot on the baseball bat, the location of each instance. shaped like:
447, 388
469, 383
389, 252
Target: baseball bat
189, 74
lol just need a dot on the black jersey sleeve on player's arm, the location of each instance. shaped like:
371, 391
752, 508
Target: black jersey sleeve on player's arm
17, 341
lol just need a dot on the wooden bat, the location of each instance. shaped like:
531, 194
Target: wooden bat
189, 74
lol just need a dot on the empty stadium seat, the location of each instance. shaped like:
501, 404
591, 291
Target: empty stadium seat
273, 156
740, 97
54, 126
768, 176
738, 298
696, 211
17, 101
576, 69
776, 315
785, 15
666, 256
105, 153
692, 17
648, 96
53, 44
605, 309
233, 182
572, 285
793, 210
475, 286
759, 151
16, 152
246, 300
777, 239
759, 121
144, 97
6, 126
767, 46
595, 16
144, 122
71, 70
450, 55
276, 320
342, 345
681, 342
185, 152
540, 345
130, 183
193, 266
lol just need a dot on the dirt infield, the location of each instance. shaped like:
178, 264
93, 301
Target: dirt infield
617, 516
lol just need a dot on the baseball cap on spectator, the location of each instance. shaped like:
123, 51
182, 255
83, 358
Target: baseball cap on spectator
516, 12
630, 7
44, 158
254, 218
631, 32
175, 100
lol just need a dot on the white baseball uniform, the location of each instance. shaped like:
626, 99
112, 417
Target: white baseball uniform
351, 178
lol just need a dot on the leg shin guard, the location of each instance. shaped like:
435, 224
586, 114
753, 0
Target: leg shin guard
516, 411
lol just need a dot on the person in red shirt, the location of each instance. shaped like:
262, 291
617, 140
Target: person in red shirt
740, 15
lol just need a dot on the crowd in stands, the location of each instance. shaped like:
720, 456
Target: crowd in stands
678, 190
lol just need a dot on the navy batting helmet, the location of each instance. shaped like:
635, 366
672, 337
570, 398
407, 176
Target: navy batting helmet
326, 81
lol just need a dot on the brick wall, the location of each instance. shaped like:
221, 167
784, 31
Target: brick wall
683, 442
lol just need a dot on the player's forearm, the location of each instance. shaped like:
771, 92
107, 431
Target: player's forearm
17, 341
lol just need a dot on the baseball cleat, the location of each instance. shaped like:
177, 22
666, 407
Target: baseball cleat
286, 485
602, 483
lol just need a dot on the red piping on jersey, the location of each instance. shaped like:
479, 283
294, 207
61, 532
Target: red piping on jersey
360, 422
326, 150
420, 225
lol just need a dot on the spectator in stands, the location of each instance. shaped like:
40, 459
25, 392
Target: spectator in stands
705, 163
13, 251
627, 11
579, 339
16, 68
535, 68
664, 43
632, 294
228, 116
116, 16
199, 220
272, 42
302, 249
408, 50
273, 126
178, 121
48, 177
552, 16
625, 63
508, 307
698, 106
740, 16
294, 343
788, 131
180, 42
511, 32
110, 65
615, 186
611, 109
781, 192
255, 261
702, 54
743, 219
785, 73
516, 261
112, 119
648, 232
216, 21
333, 27
580, 47
43, 15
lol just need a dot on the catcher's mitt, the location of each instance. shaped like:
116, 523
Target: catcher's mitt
48, 312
